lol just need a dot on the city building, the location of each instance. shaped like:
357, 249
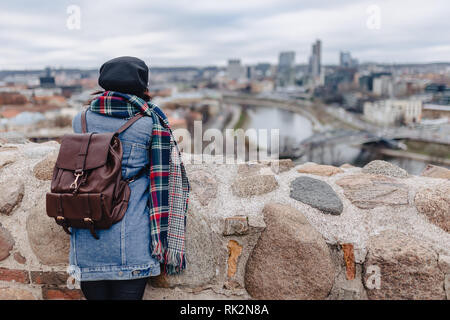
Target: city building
383, 86
47, 81
263, 70
393, 112
315, 60
346, 60
235, 70
286, 69
250, 72
366, 80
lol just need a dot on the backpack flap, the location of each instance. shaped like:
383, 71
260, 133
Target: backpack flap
84, 151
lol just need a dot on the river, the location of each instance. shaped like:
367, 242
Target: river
294, 128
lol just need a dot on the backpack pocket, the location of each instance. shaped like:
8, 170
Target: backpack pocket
75, 206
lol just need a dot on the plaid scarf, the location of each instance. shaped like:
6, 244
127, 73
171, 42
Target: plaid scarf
169, 185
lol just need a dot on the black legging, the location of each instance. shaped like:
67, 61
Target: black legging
114, 289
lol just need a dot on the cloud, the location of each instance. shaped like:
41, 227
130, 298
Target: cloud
204, 32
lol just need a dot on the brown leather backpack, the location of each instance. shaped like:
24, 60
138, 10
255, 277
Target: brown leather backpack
87, 189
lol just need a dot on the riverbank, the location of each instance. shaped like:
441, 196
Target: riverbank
412, 155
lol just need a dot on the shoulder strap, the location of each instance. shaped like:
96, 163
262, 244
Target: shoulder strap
120, 130
129, 123
83, 121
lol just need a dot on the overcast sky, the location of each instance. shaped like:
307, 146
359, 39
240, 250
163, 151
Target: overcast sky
34, 34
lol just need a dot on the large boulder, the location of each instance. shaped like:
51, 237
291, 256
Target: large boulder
48, 240
290, 260
200, 253
408, 268
435, 205
367, 191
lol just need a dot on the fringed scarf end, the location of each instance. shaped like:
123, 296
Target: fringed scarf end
158, 252
174, 262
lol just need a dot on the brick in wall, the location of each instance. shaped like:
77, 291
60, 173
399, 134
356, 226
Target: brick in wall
14, 275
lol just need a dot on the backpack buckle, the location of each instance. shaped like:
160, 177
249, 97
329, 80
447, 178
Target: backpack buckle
74, 184
88, 220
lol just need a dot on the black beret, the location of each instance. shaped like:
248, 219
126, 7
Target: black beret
124, 74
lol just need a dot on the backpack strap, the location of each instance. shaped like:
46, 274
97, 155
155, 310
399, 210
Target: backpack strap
83, 121
82, 154
129, 123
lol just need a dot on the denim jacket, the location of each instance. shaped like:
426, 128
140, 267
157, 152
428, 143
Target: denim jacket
123, 251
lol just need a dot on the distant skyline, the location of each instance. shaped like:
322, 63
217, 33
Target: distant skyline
34, 34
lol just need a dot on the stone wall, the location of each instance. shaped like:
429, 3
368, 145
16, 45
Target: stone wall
255, 231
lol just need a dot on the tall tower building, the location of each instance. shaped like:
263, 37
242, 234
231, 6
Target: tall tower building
315, 60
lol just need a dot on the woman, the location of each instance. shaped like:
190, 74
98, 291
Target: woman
119, 263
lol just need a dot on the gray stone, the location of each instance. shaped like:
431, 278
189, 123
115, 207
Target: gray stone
435, 205
384, 168
290, 260
11, 195
253, 185
48, 240
367, 191
317, 194
236, 225
408, 268
6, 243
203, 186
